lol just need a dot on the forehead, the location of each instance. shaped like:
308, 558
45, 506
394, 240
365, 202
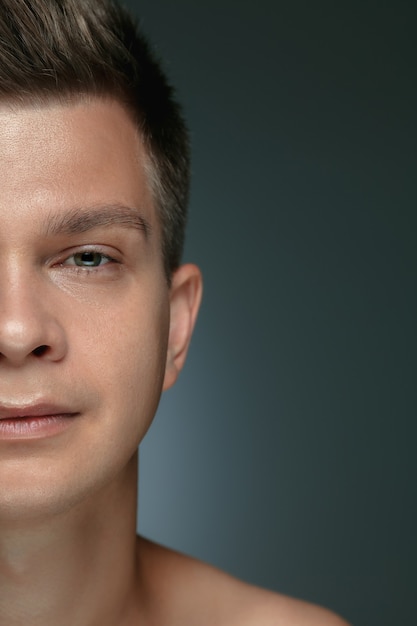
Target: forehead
63, 156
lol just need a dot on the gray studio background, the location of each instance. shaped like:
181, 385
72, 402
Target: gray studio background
286, 453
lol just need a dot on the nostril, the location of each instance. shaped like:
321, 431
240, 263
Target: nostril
40, 350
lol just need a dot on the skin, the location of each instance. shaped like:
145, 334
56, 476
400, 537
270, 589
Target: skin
88, 322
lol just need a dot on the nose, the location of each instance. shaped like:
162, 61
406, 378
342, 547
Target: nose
28, 327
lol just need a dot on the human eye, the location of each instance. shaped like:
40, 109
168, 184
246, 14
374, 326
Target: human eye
87, 264
88, 259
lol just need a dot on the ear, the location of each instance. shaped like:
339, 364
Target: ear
185, 297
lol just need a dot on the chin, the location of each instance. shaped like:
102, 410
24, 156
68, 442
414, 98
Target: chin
34, 493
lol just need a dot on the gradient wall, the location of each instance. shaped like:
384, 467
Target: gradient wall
286, 453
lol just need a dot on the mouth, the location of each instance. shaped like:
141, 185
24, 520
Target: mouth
34, 421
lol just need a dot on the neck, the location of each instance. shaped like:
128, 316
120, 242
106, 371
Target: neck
78, 567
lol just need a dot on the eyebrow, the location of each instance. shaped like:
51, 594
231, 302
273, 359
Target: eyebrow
83, 219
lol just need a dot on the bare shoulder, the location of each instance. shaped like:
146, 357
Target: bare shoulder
184, 591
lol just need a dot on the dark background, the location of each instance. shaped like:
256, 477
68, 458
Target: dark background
286, 452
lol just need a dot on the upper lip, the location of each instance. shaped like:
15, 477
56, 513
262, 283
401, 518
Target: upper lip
33, 410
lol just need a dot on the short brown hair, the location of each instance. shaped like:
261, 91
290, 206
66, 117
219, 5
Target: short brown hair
59, 49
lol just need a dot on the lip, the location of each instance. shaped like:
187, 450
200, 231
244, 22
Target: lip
33, 411
34, 421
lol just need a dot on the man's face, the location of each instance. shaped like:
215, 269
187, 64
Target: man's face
84, 303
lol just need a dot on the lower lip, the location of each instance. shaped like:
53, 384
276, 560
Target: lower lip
35, 427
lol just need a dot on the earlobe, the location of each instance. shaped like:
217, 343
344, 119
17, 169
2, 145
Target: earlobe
185, 298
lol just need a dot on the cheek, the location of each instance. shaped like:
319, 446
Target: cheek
125, 357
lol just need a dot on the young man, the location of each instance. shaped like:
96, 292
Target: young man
96, 315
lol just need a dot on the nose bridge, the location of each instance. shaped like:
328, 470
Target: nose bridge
28, 326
